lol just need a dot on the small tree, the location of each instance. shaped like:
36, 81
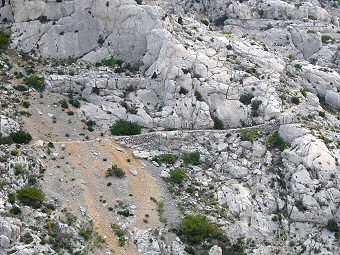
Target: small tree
35, 82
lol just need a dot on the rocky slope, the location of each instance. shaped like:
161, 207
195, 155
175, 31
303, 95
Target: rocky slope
265, 72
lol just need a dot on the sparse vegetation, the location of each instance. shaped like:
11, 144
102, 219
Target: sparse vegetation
167, 158
124, 127
120, 233
249, 135
35, 82
192, 158
19, 169
276, 141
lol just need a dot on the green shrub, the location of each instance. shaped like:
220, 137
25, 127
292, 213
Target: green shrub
111, 62
63, 104
198, 96
21, 137
295, 100
115, 171
311, 31
166, 158
11, 198
246, 99
327, 39
332, 226
196, 229
124, 127
276, 141
178, 175
35, 82
248, 135
15, 210
74, 102
19, 169
192, 158
4, 39
218, 124
31, 196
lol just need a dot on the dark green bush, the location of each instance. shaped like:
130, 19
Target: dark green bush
218, 124
21, 137
15, 210
166, 158
31, 196
246, 99
332, 226
248, 135
178, 175
295, 100
5, 140
276, 141
124, 127
4, 39
111, 62
192, 158
196, 229
35, 82
19, 169
115, 171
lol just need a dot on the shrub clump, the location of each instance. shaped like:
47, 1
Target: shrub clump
295, 100
246, 99
276, 141
21, 137
31, 196
115, 171
167, 158
249, 135
178, 175
195, 229
218, 124
4, 39
332, 226
35, 82
192, 158
124, 127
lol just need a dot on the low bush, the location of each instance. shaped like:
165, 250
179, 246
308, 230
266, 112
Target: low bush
111, 62
115, 171
165, 158
276, 141
248, 135
196, 229
4, 39
35, 82
178, 175
19, 169
21, 137
295, 100
218, 124
246, 99
192, 158
120, 233
124, 127
31, 196
332, 226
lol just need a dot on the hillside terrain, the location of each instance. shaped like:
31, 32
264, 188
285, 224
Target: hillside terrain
169, 127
